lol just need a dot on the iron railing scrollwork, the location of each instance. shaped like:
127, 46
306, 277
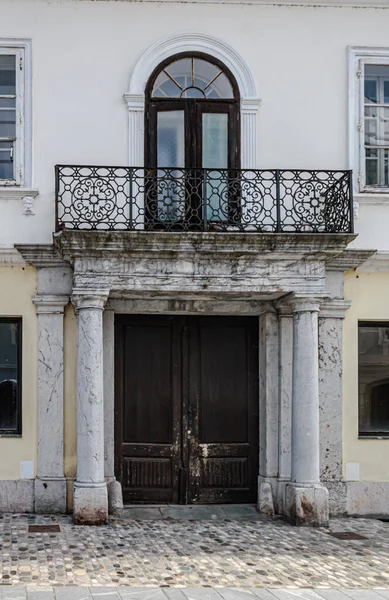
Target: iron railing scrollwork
175, 199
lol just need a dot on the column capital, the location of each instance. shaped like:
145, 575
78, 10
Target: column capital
89, 299
307, 302
334, 309
50, 304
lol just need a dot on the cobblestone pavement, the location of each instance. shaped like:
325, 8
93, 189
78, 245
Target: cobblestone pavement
175, 553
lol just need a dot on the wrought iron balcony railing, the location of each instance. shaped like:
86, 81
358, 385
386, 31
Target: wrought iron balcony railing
131, 198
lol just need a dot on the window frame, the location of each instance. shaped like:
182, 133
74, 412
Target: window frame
358, 58
19, 333
369, 434
21, 49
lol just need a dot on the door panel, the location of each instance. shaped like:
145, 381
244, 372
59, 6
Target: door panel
150, 410
223, 442
186, 409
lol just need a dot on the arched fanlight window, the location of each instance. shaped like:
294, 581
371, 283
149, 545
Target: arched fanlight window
192, 78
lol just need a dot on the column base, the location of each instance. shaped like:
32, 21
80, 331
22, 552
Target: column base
90, 504
50, 495
115, 497
265, 499
307, 505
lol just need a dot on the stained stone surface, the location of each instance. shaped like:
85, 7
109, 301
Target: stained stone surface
170, 554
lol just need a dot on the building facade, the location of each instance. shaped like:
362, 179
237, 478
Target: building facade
193, 255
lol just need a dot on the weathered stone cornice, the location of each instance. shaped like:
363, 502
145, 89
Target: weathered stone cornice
350, 259
41, 255
98, 244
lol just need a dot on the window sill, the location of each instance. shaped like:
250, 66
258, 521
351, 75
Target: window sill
369, 198
14, 192
374, 436
10, 435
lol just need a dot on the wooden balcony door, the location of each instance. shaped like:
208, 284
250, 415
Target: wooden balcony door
186, 409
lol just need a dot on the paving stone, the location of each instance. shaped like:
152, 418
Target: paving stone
174, 594
241, 511
142, 513
263, 594
13, 593
236, 594
104, 593
141, 594
72, 593
362, 594
332, 594
40, 595
201, 594
197, 513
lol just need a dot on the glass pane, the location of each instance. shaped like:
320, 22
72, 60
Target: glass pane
373, 379
370, 90
170, 156
215, 156
386, 92
170, 139
7, 123
371, 171
6, 163
164, 87
8, 375
7, 102
7, 75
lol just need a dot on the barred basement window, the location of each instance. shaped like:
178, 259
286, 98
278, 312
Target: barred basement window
373, 350
10, 376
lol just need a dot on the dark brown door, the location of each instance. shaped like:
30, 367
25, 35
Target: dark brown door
186, 408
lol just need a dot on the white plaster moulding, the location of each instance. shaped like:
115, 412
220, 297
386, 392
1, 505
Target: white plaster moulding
372, 199
378, 263
192, 42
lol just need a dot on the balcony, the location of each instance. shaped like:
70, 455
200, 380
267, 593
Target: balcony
97, 198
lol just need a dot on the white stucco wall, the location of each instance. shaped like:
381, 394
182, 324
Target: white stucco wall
84, 53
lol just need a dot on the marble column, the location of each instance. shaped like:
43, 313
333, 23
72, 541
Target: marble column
306, 500
115, 495
268, 411
90, 503
285, 323
50, 483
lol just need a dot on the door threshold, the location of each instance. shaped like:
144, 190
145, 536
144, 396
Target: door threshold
185, 512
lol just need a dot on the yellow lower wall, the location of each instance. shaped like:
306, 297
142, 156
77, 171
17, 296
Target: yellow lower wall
17, 288
369, 294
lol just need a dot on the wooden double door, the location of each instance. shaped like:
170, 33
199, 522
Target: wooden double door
186, 409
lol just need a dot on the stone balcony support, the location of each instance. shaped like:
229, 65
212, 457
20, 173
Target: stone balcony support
50, 483
90, 488
306, 499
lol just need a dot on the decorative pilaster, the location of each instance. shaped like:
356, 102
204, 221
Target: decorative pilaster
136, 116
90, 489
249, 137
331, 318
115, 496
306, 500
268, 411
50, 483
